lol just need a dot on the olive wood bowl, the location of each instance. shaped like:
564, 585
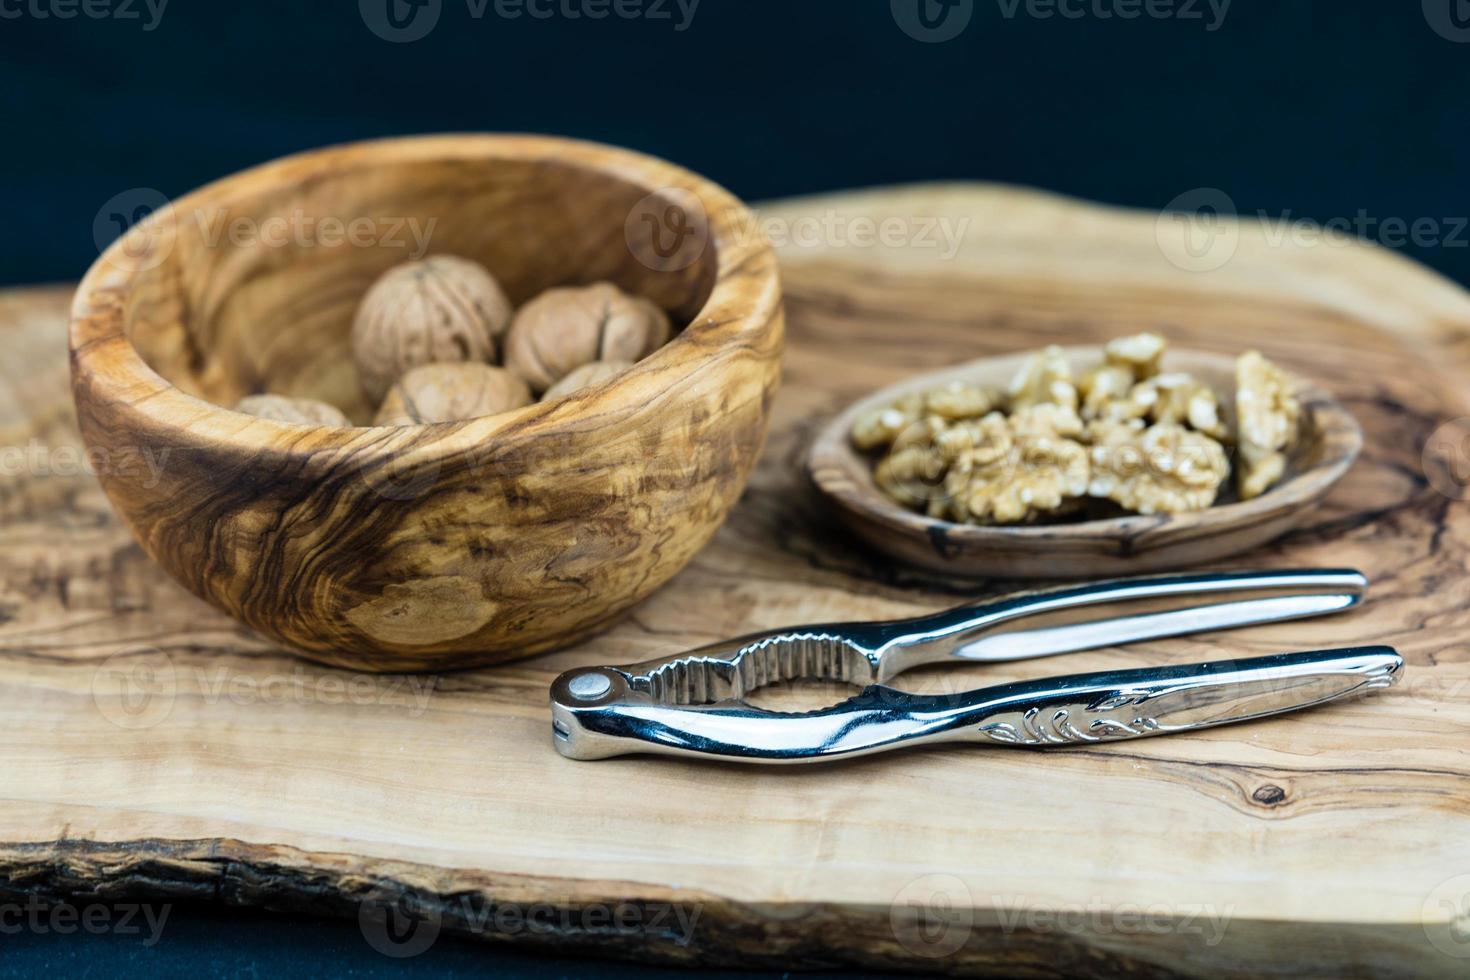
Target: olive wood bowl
1329, 441
435, 546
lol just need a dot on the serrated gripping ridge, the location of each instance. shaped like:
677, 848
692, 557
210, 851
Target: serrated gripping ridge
772, 659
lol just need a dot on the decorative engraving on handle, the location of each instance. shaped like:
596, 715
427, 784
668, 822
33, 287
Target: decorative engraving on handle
1377, 678
1058, 727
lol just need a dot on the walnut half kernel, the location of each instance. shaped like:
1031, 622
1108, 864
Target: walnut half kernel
1126, 434
1039, 475
1267, 414
1163, 469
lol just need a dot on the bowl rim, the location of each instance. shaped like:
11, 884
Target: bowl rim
833, 466
143, 396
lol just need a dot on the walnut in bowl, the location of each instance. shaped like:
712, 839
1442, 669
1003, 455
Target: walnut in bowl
451, 392
435, 545
441, 309
565, 329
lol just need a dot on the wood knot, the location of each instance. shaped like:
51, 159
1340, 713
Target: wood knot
939, 541
1269, 795
424, 612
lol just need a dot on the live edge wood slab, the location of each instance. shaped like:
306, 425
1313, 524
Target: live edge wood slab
156, 750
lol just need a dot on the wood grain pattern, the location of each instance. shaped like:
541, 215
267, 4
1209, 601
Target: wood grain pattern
1328, 843
443, 545
1329, 441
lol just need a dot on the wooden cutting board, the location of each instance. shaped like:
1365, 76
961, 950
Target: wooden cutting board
155, 749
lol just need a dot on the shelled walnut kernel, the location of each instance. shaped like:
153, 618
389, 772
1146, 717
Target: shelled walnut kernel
1267, 414
1163, 469
1126, 434
1046, 377
1040, 475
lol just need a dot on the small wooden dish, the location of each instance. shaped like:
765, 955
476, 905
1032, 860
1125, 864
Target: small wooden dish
1329, 442
413, 547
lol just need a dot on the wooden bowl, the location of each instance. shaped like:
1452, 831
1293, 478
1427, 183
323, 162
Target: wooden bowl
424, 546
1330, 440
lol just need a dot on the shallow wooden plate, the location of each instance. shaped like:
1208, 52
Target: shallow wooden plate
1329, 442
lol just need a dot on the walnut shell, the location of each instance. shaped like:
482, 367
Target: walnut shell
450, 393
301, 411
437, 310
563, 329
587, 374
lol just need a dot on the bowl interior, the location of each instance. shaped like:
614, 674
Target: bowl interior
250, 285
1327, 442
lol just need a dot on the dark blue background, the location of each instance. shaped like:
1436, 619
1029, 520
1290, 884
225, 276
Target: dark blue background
1300, 109
199, 942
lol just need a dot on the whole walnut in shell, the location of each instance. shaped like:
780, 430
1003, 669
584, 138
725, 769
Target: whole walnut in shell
563, 329
301, 411
584, 376
440, 309
451, 393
